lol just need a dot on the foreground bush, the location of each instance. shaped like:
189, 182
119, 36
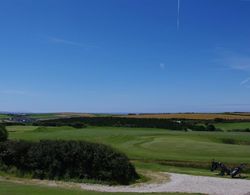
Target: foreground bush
3, 133
68, 160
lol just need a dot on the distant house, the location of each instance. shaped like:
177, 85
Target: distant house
21, 119
179, 122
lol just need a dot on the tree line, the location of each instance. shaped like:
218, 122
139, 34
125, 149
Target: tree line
127, 122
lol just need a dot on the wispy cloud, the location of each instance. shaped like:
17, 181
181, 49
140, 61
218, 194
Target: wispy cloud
63, 41
239, 62
233, 60
178, 15
245, 83
162, 66
71, 43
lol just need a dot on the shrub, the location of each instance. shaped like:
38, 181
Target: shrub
210, 127
3, 133
198, 128
218, 120
15, 153
68, 160
78, 125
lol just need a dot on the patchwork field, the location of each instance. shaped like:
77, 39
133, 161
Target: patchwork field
199, 116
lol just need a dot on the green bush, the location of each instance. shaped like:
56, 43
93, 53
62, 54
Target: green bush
61, 160
3, 133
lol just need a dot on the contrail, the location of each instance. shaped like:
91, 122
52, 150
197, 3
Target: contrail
178, 14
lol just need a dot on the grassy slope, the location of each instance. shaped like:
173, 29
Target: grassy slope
147, 146
230, 126
151, 144
8, 188
3, 116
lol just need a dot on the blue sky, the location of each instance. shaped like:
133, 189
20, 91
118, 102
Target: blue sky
124, 55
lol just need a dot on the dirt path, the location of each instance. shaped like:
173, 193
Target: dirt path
184, 183
177, 183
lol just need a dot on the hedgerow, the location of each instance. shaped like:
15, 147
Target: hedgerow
171, 124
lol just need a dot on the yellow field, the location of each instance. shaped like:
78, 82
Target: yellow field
203, 116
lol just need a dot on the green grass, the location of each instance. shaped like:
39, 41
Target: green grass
9, 188
231, 126
20, 128
3, 116
152, 144
174, 169
43, 116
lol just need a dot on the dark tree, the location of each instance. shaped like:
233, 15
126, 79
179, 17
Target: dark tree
3, 133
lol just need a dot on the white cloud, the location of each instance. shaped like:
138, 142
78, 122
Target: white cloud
162, 66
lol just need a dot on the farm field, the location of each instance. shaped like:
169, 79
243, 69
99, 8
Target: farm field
201, 116
154, 146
